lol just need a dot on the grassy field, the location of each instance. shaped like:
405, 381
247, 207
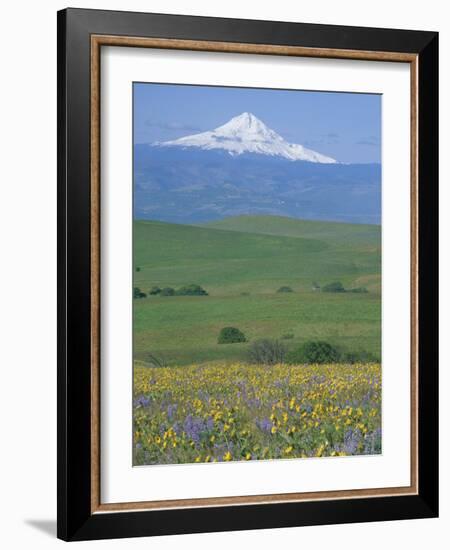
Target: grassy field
241, 262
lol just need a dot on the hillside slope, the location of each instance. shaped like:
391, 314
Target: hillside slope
333, 232
246, 258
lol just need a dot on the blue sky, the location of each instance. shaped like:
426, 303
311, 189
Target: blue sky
344, 126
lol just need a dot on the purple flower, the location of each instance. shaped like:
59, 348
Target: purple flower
142, 401
171, 410
352, 439
372, 442
195, 427
264, 425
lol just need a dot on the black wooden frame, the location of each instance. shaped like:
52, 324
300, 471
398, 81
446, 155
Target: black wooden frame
75, 521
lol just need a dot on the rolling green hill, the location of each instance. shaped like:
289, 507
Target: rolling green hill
335, 232
241, 262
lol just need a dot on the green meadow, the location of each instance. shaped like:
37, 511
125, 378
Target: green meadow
241, 262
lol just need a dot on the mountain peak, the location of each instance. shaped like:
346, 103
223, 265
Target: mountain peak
244, 120
247, 127
245, 133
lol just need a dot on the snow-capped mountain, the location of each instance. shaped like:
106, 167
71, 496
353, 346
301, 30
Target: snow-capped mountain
245, 133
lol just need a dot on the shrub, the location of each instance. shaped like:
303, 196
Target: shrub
156, 360
314, 352
137, 293
138, 269
231, 335
191, 290
154, 291
359, 290
336, 286
267, 352
285, 289
287, 336
167, 291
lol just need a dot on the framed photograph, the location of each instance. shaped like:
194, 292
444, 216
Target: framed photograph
247, 274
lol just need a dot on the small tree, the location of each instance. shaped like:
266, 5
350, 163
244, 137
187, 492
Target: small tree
156, 360
137, 293
336, 286
167, 291
267, 352
231, 335
314, 352
191, 290
138, 269
154, 290
285, 289
359, 290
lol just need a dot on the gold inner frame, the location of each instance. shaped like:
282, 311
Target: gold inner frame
97, 41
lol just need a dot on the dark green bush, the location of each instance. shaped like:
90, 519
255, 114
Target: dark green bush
231, 335
285, 289
336, 286
191, 290
267, 352
155, 290
314, 352
137, 293
167, 291
156, 360
138, 269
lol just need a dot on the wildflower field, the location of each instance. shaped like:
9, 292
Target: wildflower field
222, 412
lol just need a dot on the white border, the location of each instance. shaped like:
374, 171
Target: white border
120, 482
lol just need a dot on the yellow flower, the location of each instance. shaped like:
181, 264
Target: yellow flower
248, 456
288, 450
227, 456
320, 450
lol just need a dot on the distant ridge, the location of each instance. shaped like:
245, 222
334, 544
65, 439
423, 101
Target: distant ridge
192, 185
292, 227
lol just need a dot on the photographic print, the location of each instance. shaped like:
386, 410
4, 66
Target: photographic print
256, 274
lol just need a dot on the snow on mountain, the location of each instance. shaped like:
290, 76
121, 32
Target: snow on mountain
245, 133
